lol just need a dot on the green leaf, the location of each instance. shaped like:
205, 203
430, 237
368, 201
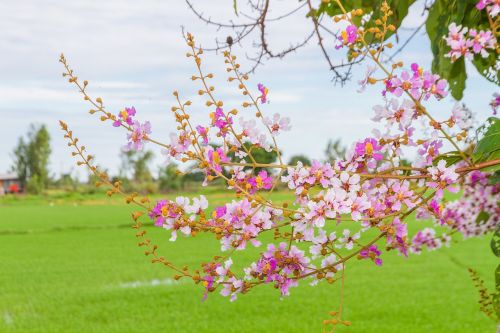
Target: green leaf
235, 7
482, 217
488, 147
494, 178
451, 158
495, 242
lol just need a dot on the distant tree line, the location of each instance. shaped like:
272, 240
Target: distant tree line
32, 153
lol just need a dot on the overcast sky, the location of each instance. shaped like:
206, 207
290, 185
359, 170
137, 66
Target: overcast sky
132, 53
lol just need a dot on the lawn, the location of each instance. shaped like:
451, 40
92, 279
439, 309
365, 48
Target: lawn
72, 265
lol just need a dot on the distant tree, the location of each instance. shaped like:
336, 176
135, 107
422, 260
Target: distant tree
299, 158
137, 163
169, 178
260, 155
20, 155
31, 159
334, 150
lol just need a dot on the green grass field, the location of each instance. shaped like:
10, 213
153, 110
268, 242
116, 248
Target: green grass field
72, 265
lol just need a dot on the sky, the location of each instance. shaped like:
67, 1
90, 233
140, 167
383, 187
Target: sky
133, 54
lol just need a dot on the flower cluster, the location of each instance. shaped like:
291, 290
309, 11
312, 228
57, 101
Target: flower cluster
466, 42
356, 206
417, 83
138, 135
492, 6
280, 265
125, 116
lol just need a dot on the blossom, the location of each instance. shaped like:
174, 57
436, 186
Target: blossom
373, 253
278, 124
481, 41
261, 181
430, 150
347, 36
163, 210
396, 113
347, 240
263, 91
138, 136
466, 43
203, 132
461, 116
418, 83
221, 121
492, 6
397, 234
279, 265
495, 102
366, 79
458, 42
426, 237
215, 157
125, 116
369, 148
443, 178
402, 194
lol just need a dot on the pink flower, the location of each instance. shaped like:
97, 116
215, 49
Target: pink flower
481, 41
162, 210
125, 116
347, 36
402, 194
443, 178
347, 240
369, 149
262, 181
278, 124
220, 121
216, 157
263, 91
203, 132
138, 136
430, 150
397, 234
492, 6
279, 265
495, 102
373, 253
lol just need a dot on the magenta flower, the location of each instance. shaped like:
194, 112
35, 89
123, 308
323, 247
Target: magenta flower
347, 36
125, 116
369, 149
279, 265
263, 93
163, 210
373, 253
139, 134
220, 121
261, 181
203, 132
216, 157
397, 234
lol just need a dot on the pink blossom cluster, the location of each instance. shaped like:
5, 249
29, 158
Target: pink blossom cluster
418, 83
337, 206
279, 265
492, 6
466, 42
